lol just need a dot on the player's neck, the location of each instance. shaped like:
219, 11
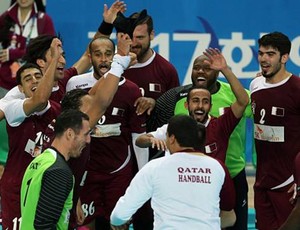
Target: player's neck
61, 148
146, 56
188, 150
214, 88
278, 77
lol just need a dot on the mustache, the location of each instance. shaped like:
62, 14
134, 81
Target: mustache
105, 65
137, 46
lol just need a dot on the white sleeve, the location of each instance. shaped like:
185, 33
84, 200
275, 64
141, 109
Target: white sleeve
139, 191
70, 85
14, 112
141, 154
14, 93
160, 133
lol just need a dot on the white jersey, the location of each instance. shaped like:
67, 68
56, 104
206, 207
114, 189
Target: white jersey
184, 189
82, 81
14, 93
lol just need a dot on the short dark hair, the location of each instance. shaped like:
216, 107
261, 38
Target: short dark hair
70, 118
24, 67
38, 47
187, 131
101, 38
277, 40
143, 18
194, 88
72, 99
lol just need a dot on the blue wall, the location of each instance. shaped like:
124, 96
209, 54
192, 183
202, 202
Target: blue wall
185, 28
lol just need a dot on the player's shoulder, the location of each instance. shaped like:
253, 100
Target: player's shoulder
81, 81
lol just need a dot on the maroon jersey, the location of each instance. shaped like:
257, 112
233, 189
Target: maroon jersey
154, 77
112, 135
59, 91
218, 132
38, 23
276, 110
25, 142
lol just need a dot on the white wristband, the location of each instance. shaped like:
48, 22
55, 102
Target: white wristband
116, 69
124, 61
119, 64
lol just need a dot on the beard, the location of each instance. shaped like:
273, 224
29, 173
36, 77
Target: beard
97, 68
277, 68
142, 52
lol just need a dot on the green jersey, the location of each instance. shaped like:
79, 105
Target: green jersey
46, 192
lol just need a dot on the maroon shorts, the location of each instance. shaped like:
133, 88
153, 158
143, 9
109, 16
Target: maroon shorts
10, 205
101, 191
272, 207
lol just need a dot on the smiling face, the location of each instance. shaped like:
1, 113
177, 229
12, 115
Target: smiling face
29, 80
202, 74
80, 140
101, 54
199, 104
59, 72
270, 61
141, 41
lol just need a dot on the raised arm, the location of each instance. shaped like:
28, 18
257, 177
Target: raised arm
104, 90
105, 29
39, 99
218, 62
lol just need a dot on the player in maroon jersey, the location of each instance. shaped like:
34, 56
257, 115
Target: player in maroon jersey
38, 52
93, 103
275, 102
26, 120
110, 168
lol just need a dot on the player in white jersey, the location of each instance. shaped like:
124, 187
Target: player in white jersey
184, 188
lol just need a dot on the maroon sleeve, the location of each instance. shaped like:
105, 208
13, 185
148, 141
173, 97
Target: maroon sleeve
15, 54
68, 73
227, 194
45, 24
174, 79
229, 122
137, 122
2, 17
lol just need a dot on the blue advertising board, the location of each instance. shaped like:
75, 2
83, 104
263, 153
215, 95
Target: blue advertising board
185, 28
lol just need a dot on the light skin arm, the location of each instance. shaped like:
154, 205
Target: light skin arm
218, 62
104, 90
146, 140
79, 213
121, 227
228, 218
2, 116
40, 97
109, 15
144, 104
